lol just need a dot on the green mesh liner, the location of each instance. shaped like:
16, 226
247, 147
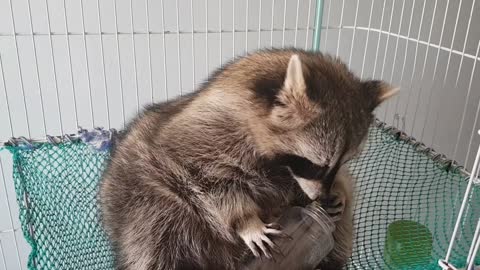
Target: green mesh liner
398, 180
406, 209
60, 218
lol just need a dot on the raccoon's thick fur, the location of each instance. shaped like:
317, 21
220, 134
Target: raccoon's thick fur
196, 182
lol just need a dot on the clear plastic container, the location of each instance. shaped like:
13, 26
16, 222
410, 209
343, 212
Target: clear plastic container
311, 240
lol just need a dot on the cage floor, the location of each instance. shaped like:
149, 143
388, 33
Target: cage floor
396, 181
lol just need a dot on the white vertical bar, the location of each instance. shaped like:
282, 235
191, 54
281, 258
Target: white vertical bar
379, 37
103, 62
400, 24
69, 52
453, 40
149, 43
134, 53
9, 209
474, 253
308, 23
456, 81
388, 39
246, 29
406, 53
20, 73
353, 37
438, 54
449, 57
220, 28
340, 28
415, 60
6, 96
193, 44
368, 36
54, 66
296, 23
465, 108
433, 79
178, 51
284, 22
3, 256
206, 37
472, 8
271, 30
120, 75
259, 24
164, 51
458, 75
473, 175
233, 28
37, 72
328, 23
87, 66
423, 72
475, 239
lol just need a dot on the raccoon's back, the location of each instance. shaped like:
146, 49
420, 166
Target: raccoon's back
153, 218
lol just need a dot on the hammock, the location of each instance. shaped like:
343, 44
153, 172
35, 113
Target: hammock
407, 196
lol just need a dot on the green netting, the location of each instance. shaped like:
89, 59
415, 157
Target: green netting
60, 218
396, 184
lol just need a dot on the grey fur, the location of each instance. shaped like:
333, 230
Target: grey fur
193, 174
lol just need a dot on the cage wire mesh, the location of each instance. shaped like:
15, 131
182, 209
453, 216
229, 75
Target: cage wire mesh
93, 63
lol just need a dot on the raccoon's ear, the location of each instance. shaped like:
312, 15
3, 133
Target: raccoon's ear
379, 91
294, 80
292, 107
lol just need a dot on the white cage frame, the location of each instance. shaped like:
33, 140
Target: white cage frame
34, 34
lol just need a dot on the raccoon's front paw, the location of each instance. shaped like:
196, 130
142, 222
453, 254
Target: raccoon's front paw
256, 235
334, 204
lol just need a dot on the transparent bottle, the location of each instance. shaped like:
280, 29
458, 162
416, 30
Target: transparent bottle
310, 229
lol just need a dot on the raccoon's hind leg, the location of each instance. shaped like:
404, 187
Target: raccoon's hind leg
164, 232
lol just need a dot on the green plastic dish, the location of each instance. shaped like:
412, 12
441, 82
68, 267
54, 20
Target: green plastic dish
408, 245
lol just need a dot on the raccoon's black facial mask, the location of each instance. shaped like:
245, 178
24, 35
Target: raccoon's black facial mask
304, 168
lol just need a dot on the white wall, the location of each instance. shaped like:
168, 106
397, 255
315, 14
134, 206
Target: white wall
74, 96
431, 100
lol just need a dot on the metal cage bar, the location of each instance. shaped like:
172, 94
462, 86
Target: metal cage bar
69, 53
104, 76
10, 216
87, 65
54, 95
318, 25
134, 56
54, 68
464, 204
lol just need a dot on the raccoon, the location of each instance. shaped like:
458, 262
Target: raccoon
197, 182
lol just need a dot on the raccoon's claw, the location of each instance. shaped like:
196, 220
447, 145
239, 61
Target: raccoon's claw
334, 204
256, 237
274, 225
276, 229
